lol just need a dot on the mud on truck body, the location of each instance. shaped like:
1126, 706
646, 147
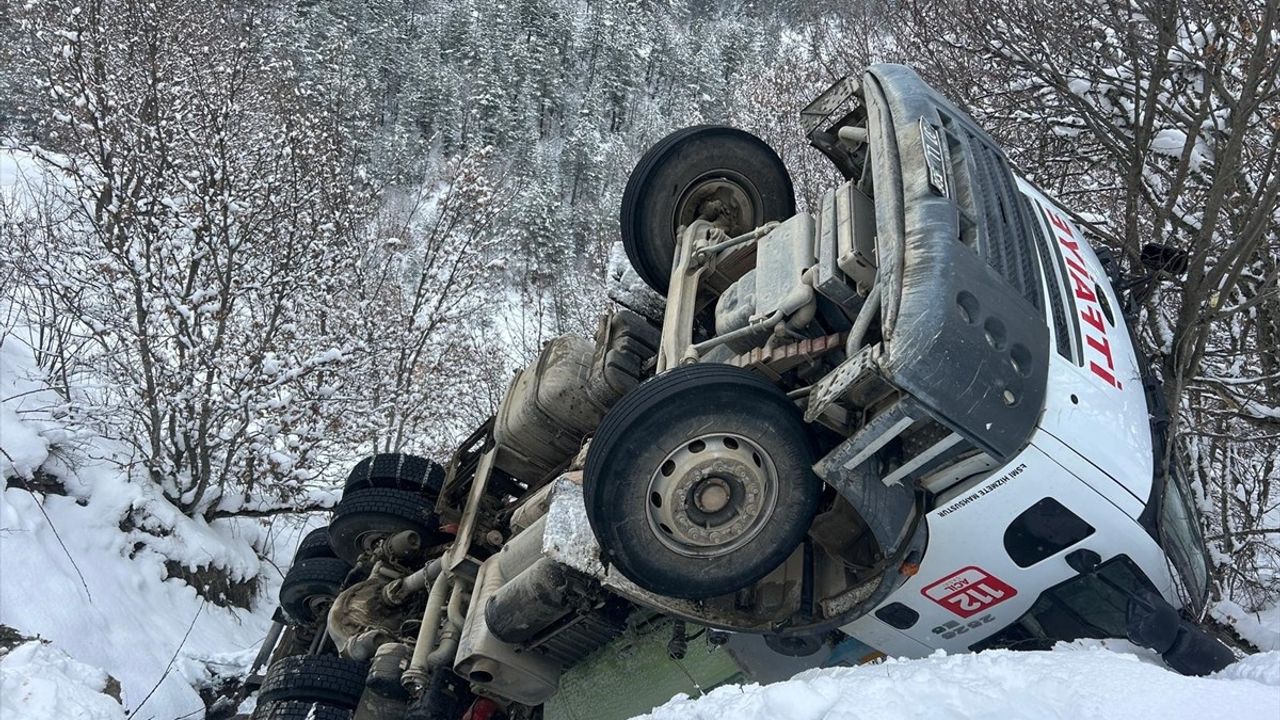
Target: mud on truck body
912, 418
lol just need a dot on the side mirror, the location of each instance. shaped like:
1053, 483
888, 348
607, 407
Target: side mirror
1164, 259
1150, 621
1084, 560
1186, 647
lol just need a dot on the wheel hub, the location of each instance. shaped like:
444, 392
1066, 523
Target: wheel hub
712, 495
369, 541
319, 604
720, 197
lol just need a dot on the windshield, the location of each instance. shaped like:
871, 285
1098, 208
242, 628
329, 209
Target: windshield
1086, 606
1182, 540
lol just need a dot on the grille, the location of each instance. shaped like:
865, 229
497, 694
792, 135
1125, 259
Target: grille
1057, 302
996, 225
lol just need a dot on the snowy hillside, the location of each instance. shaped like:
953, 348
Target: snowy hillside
88, 562
38, 681
1080, 681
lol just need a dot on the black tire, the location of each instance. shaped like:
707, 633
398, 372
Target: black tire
315, 679
397, 471
300, 710
314, 545
309, 583
655, 201
659, 419
364, 516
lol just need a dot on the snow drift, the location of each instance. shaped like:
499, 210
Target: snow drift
38, 682
1085, 680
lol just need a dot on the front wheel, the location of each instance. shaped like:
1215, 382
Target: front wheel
717, 173
700, 482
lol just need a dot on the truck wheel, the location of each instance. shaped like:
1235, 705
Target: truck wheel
310, 587
365, 517
300, 710
397, 471
315, 544
676, 180
699, 482
315, 679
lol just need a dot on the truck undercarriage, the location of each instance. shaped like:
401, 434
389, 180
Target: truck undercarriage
797, 452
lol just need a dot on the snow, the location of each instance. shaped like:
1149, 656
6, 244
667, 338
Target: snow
119, 612
86, 572
15, 168
1169, 141
22, 449
1261, 628
1172, 141
38, 682
23, 442
1086, 680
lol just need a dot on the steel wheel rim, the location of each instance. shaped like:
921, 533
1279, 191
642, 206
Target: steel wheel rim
712, 495
318, 604
369, 540
738, 196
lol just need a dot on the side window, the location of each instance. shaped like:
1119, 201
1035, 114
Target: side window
1087, 606
1181, 538
1043, 530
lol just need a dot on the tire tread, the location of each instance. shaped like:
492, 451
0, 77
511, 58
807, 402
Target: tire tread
315, 679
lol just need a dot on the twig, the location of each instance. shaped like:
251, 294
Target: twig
1247, 533
169, 667
269, 512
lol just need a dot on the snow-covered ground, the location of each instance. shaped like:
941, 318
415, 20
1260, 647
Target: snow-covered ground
38, 681
78, 572
1078, 681
98, 605
1261, 628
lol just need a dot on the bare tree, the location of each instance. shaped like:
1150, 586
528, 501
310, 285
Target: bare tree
422, 290
210, 202
1154, 121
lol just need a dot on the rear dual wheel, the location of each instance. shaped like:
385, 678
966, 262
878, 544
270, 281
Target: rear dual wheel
300, 710
320, 682
310, 587
397, 471
366, 517
315, 544
699, 482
